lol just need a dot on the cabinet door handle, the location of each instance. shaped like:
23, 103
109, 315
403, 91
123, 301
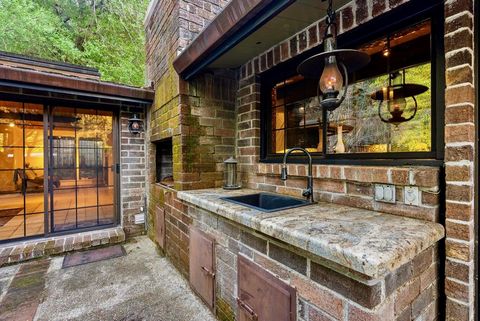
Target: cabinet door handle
251, 314
208, 272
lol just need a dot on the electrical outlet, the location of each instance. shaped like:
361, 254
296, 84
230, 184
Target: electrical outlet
411, 196
385, 193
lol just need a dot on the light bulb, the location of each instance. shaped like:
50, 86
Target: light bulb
331, 79
397, 105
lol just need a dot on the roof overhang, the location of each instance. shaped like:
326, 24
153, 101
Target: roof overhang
56, 81
247, 28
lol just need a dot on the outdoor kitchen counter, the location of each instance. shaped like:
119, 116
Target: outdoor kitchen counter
368, 242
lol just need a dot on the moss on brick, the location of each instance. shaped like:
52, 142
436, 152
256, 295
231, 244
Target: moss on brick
224, 311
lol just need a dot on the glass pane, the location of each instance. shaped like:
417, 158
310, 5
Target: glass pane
295, 115
11, 206
63, 178
33, 122
105, 195
87, 197
34, 157
278, 118
278, 139
355, 126
64, 122
35, 224
105, 128
34, 197
64, 220
295, 137
34, 136
105, 157
87, 217
105, 176
106, 214
11, 133
87, 125
11, 181
63, 157
11, 158
88, 158
64, 198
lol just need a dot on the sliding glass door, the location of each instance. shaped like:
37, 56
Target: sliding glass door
57, 169
22, 174
82, 180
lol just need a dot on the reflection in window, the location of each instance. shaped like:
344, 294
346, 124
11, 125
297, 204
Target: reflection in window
355, 127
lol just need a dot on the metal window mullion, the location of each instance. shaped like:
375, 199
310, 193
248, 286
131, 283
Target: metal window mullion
24, 173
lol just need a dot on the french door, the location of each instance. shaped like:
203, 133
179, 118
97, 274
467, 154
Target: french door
57, 169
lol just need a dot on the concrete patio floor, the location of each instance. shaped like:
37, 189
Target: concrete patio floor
139, 286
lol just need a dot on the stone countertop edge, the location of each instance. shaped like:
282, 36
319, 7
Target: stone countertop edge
368, 242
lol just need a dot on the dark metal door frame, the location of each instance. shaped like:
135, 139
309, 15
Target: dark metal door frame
48, 179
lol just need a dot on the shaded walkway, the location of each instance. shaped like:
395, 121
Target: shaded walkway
139, 286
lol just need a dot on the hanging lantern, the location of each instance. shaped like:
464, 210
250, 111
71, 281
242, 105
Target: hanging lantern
230, 174
395, 95
332, 66
135, 124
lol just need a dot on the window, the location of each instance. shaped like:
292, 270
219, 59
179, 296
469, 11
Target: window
355, 130
164, 162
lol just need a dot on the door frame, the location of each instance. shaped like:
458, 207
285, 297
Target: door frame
116, 125
48, 192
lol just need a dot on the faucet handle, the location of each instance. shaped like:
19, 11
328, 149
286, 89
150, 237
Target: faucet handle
284, 173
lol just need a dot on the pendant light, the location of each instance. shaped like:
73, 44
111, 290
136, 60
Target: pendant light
332, 66
395, 95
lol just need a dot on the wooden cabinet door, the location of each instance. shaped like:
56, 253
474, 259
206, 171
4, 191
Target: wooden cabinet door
262, 296
202, 267
160, 226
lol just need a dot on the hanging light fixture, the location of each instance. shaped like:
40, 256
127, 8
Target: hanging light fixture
332, 66
395, 95
135, 124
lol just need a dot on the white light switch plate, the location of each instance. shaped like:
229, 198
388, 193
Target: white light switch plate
411, 196
385, 193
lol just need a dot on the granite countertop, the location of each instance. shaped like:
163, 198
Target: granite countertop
368, 242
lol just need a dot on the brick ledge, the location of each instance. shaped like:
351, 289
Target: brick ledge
33, 249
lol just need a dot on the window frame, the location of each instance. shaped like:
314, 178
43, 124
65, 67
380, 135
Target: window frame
403, 16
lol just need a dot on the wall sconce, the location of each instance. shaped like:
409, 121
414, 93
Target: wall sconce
135, 125
332, 66
231, 175
395, 95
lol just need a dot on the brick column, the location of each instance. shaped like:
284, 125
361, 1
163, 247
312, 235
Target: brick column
459, 159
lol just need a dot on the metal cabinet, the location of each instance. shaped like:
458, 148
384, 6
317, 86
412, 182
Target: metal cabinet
262, 296
202, 265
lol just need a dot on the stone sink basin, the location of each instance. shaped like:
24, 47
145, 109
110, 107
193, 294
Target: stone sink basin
266, 202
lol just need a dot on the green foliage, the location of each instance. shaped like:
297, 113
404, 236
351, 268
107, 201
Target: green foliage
369, 134
105, 34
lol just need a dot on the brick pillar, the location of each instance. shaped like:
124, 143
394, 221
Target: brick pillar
459, 159
133, 172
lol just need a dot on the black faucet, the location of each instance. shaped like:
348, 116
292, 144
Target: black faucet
308, 193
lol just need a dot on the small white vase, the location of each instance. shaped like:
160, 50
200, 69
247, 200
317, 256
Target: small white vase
340, 147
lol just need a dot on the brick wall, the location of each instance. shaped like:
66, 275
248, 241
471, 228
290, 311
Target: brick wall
325, 290
347, 185
133, 171
459, 159
199, 116
459, 143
